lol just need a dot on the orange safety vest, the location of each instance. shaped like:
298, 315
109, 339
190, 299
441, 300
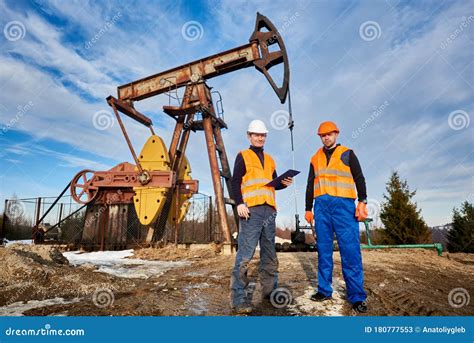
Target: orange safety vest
254, 191
334, 178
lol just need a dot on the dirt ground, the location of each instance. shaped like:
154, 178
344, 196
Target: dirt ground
37, 280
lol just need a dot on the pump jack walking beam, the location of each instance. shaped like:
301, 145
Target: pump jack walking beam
255, 53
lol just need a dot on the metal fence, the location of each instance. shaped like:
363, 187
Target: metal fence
21, 215
65, 222
198, 224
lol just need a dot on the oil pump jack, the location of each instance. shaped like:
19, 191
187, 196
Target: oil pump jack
160, 184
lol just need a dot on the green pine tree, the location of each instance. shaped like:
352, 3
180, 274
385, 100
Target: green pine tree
461, 236
399, 214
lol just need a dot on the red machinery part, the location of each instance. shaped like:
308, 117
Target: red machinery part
82, 189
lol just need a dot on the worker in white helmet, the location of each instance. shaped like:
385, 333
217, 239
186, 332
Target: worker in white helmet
256, 207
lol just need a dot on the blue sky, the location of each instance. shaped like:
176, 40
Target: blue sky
396, 76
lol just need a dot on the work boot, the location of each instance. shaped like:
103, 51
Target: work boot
242, 309
360, 306
320, 297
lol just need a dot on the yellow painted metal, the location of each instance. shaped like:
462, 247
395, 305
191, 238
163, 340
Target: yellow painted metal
149, 201
184, 173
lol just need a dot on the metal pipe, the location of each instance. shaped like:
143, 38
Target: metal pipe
65, 218
437, 246
38, 219
4, 222
176, 211
127, 139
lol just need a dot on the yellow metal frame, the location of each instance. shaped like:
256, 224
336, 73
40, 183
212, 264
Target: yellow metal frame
149, 201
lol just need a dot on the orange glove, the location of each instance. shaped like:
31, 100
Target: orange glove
361, 211
309, 217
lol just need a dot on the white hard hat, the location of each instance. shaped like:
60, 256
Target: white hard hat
257, 126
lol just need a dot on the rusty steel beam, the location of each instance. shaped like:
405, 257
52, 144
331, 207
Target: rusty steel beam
227, 174
129, 111
184, 107
188, 186
255, 53
205, 98
127, 139
115, 196
203, 69
216, 177
65, 218
176, 211
159, 179
178, 129
38, 212
38, 219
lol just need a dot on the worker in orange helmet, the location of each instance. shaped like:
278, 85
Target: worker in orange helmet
334, 176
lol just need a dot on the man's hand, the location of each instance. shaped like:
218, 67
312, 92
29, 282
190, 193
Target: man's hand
243, 211
361, 211
287, 181
309, 217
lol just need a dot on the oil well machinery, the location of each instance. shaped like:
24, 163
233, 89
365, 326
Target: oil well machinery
159, 182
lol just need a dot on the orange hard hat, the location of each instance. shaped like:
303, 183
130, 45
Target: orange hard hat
327, 127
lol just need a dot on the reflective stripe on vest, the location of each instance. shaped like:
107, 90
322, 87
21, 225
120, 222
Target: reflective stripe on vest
257, 193
333, 172
334, 178
254, 191
256, 181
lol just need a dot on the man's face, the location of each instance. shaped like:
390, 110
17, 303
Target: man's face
329, 139
257, 139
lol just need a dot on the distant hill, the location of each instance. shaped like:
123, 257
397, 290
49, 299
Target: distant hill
439, 233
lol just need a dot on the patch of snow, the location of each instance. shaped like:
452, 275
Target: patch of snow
21, 241
104, 257
196, 274
20, 307
194, 303
116, 263
199, 307
197, 286
330, 308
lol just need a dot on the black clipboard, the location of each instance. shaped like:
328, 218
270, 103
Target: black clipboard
289, 173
